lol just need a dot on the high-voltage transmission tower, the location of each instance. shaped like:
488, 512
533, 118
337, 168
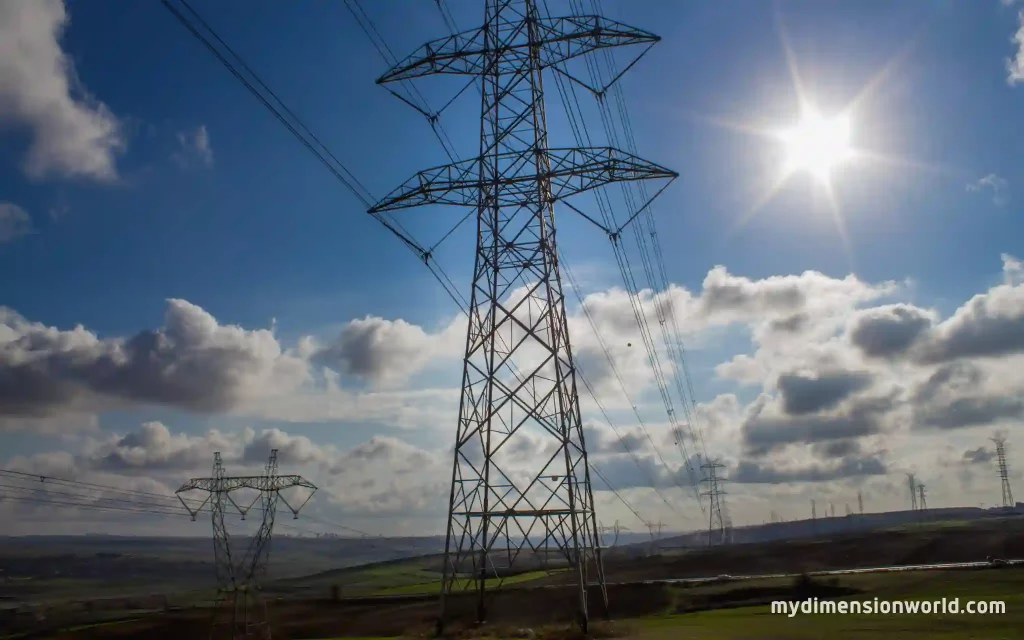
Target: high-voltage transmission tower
615, 529
860, 502
507, 390
240, 607
717, 533
922, 503
655, 529
1004, 473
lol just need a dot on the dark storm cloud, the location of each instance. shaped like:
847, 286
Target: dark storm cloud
978, 456
763, 434
836, 449
889, 331
989, 325
954, 397
749, 472
804, 394
970, 412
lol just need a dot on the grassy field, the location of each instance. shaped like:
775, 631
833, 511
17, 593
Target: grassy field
434, 585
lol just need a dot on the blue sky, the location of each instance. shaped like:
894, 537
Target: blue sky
242, 222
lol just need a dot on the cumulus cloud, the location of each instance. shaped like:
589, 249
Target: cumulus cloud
153, 447
14, 222
803, 394
751, 472
1015, 65
1013, 270
384, 351
768, 428
383, 477
849, 380
980, 455
999, 186
889, 330
194, 147
192, 362
73, 135
989, 325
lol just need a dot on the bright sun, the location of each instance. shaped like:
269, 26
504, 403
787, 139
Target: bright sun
817, 145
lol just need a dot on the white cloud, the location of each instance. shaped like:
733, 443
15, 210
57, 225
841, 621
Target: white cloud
194, 146
73, 135
999, 186
14, 222
1015, 65
387, 352
1013, 270
192, 363
852, 385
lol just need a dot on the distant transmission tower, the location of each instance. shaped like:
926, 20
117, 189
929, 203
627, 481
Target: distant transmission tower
913, 491
860, 502
922, 503
716, 521
615, 529
239, 603
1004, 473
654, 528
513, 184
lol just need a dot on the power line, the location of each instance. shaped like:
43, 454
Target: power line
581, 132
284, 115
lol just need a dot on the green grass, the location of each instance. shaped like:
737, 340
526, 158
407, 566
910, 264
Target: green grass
934, 525
434, 586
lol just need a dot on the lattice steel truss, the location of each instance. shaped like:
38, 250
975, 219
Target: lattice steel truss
240, 607
518, 374
719, 527
1004, 470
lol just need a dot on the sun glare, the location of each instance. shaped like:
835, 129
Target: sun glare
817, 145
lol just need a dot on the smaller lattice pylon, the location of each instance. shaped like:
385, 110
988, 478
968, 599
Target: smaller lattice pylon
655, 529
1004, 471
239, 606
717, 528
614, 529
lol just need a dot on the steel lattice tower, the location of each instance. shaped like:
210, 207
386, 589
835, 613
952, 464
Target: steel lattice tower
518, 374
717, 528
239, 605
1004, 472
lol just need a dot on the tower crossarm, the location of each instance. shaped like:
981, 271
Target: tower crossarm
570, 172
259, 483
560, 39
